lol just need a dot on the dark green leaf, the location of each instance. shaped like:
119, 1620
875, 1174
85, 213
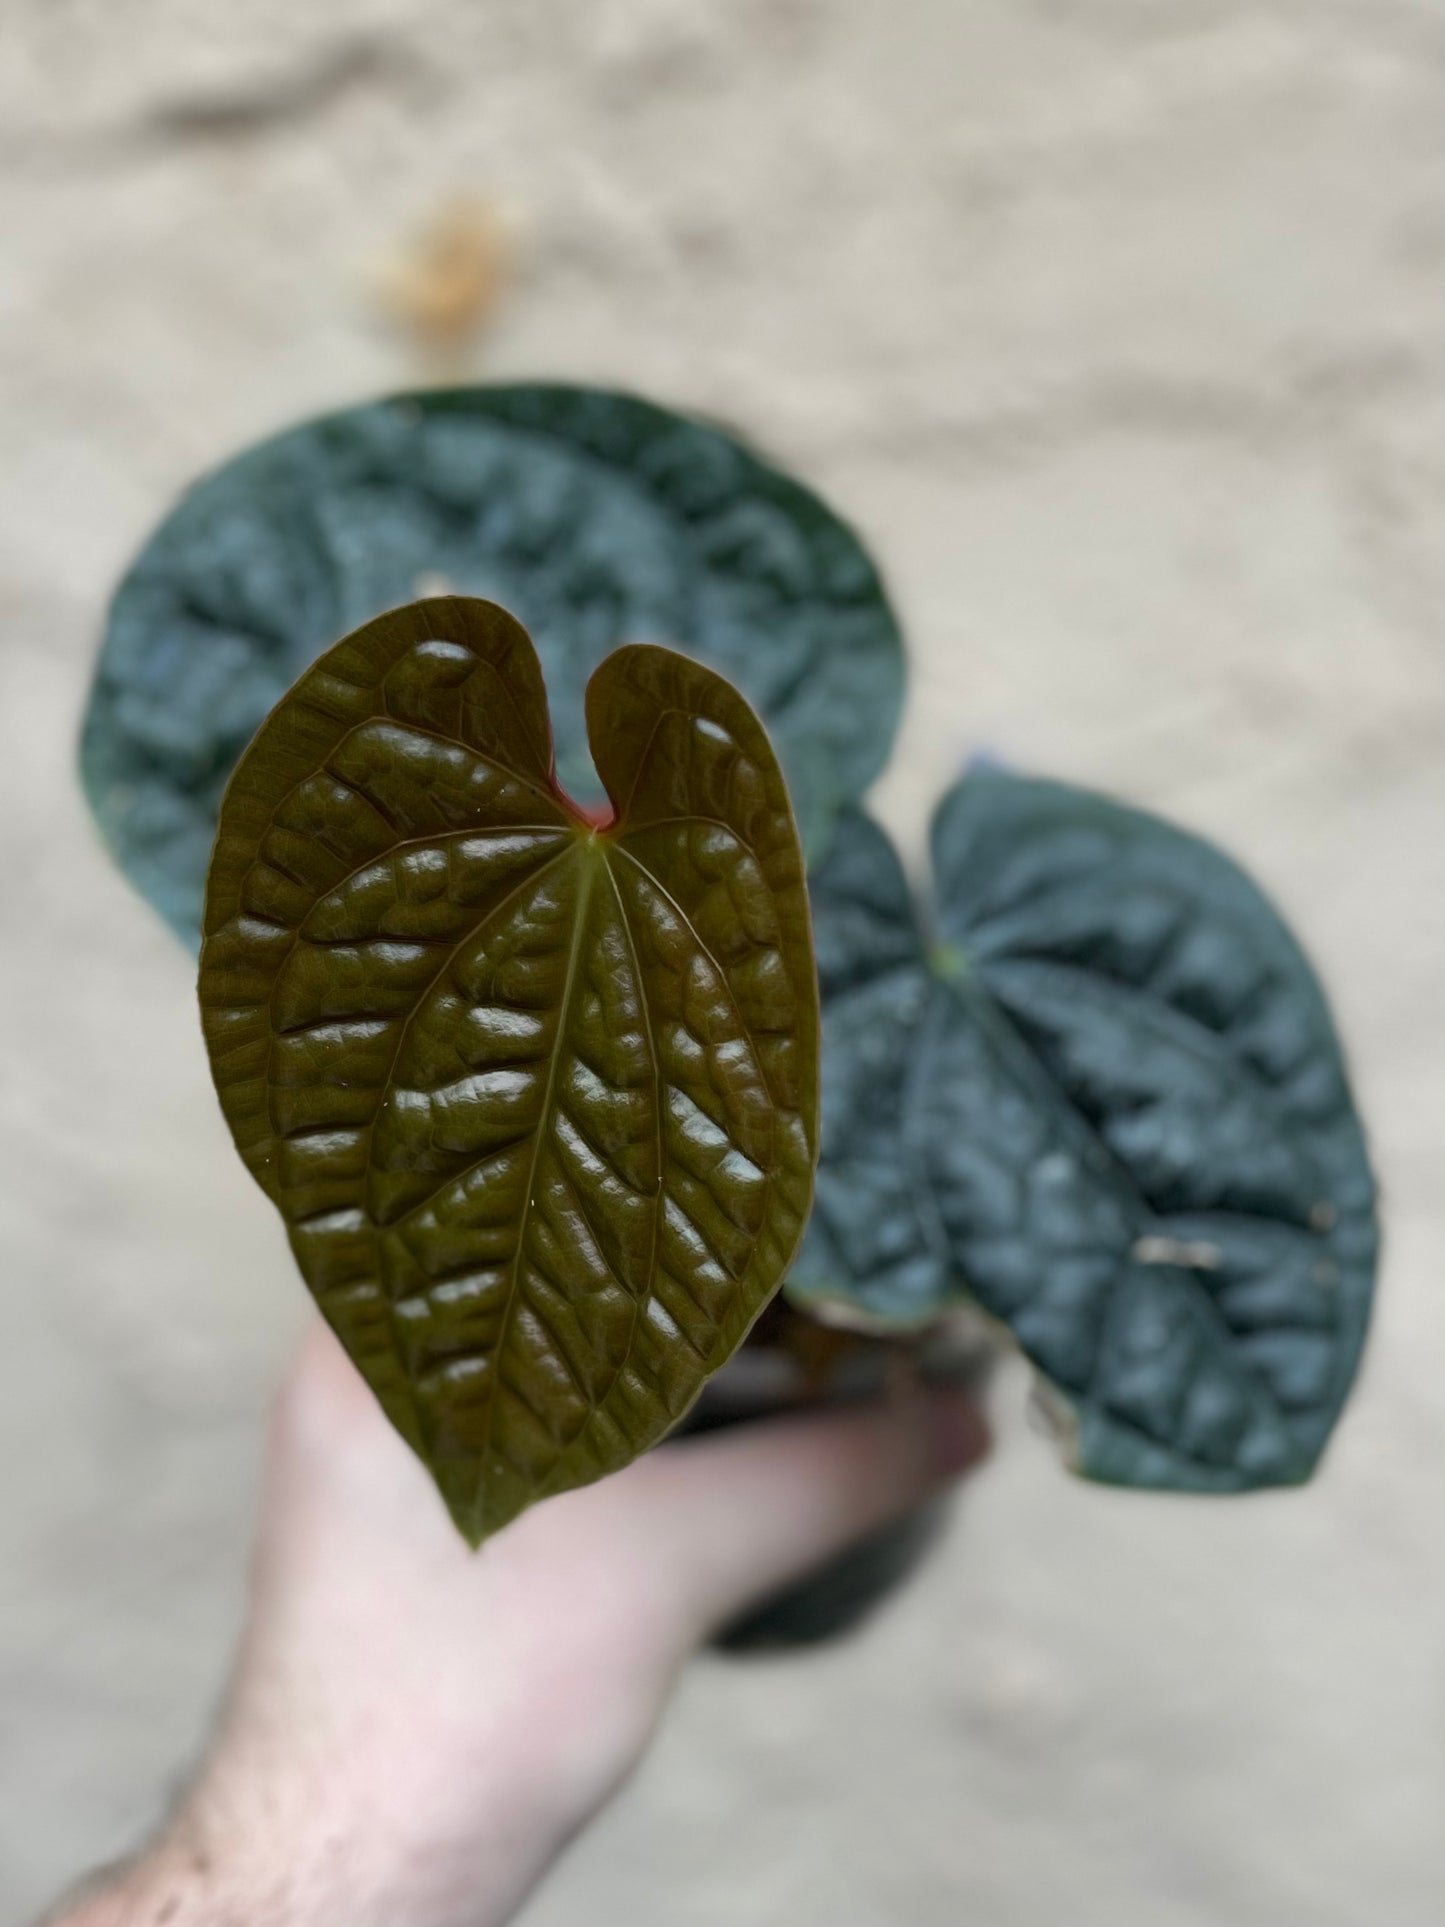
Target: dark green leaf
535, 1093
1110, 1106
599, 518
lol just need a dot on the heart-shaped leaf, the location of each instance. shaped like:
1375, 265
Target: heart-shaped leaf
1110, 1107
598, 518
535, 1093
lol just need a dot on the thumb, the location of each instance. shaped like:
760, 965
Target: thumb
736, 1515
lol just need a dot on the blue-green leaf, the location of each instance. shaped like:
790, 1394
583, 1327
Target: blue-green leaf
597, 518
1108, 1105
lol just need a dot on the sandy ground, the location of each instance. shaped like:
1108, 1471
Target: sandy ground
1115, 327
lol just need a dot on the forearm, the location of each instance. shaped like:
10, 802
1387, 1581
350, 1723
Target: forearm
177, 1884
257, 1848
415, 1731
199, 1875
189, 1880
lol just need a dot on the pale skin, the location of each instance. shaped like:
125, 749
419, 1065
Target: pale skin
414, 1732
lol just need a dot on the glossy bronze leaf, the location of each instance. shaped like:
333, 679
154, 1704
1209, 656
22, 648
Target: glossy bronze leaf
535, 1093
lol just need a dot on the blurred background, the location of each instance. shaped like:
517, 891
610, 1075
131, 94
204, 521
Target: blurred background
1115, 328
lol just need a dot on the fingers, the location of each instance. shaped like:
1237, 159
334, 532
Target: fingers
687, 1538
737, 1515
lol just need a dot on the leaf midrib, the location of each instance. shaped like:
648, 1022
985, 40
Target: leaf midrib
579, 850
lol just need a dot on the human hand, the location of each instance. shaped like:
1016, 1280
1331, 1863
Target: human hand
414, 1731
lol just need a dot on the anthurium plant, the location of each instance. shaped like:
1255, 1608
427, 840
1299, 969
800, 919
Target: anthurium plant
544, 969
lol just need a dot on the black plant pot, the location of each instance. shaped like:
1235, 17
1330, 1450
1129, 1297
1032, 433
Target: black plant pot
792, 1364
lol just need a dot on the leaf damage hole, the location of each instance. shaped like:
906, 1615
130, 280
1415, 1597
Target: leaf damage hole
1197, 1254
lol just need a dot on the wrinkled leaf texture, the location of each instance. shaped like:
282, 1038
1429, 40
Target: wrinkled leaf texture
1108, 1105
536, 1097
598, 518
